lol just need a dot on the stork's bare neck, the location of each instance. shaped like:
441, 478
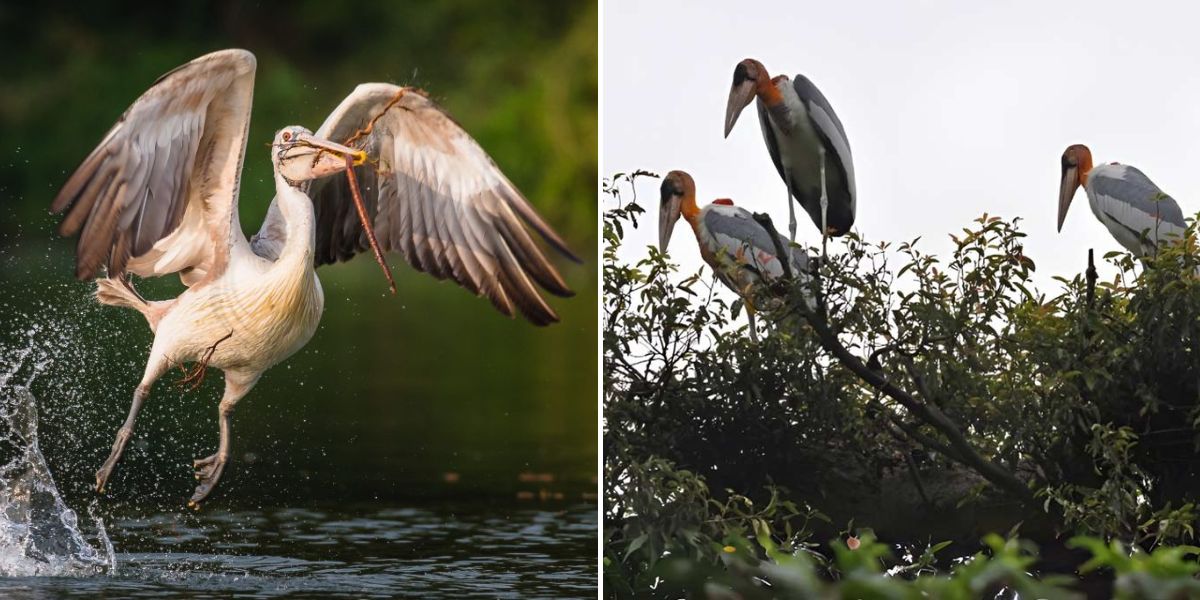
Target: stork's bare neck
766, 88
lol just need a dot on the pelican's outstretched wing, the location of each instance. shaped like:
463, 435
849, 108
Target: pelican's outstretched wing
434, 196
159, 194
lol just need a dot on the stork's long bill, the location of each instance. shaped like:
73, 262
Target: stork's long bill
750, 80
1076, 162
668, 214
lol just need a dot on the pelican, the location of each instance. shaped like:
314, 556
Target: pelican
804, 137
159, 195
738, 249
1136, 212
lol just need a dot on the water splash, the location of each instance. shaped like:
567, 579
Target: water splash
39, 534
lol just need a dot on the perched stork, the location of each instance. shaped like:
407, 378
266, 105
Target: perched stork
1136, 212
807, 144
159, 196
738, 249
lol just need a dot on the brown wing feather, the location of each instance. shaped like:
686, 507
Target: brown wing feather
438, 199
130, 196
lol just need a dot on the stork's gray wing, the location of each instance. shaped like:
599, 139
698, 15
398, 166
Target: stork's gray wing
437, 198
158, 195
829, 127
764, 121
1134, 193
733, 227
1134, 205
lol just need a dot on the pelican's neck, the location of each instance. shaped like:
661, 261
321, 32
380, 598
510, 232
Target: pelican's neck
299, 219
294, 292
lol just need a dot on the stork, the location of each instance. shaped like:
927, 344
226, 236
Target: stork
159, 195
737, 247
806, 141
1136, 212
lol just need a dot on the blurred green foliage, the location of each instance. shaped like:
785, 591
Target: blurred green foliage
429, 393
519, 76
747, 563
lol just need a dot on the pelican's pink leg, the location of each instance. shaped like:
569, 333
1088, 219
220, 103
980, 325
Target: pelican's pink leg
154, 369
209, 469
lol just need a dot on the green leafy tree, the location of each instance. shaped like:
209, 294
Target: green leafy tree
927, 398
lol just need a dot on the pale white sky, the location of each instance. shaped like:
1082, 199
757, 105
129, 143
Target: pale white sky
951, 108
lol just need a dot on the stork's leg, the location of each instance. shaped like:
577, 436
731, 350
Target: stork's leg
154, 369
824, 205
787, 178
209, 469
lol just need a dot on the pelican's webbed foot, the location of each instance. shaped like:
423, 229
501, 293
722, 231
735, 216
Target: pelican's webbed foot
208, 471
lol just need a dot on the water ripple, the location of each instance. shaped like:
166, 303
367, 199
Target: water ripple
368, 551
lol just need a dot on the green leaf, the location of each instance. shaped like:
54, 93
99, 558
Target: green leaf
637, 543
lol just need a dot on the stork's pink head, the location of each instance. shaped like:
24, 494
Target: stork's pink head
1076, 162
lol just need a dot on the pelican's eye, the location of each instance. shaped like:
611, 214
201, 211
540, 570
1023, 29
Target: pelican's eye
287, 136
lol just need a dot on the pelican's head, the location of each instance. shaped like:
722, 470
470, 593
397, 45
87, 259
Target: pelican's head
747, 76
677, 190
1076, 162
300, 156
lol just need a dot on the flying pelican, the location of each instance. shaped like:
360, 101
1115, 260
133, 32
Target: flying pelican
803, 135
738, 249
1136, 212
159, 196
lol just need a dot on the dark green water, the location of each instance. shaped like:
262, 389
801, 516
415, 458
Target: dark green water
454, 549
419, 445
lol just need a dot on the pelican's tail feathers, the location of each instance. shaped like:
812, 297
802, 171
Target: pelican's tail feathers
116, 292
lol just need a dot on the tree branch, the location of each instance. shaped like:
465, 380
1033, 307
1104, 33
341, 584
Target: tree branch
915, 435
1091, 278
962, 452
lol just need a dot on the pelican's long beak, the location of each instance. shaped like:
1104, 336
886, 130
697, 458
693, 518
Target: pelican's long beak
1066, 191
740, 96
668, 215
331, 156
